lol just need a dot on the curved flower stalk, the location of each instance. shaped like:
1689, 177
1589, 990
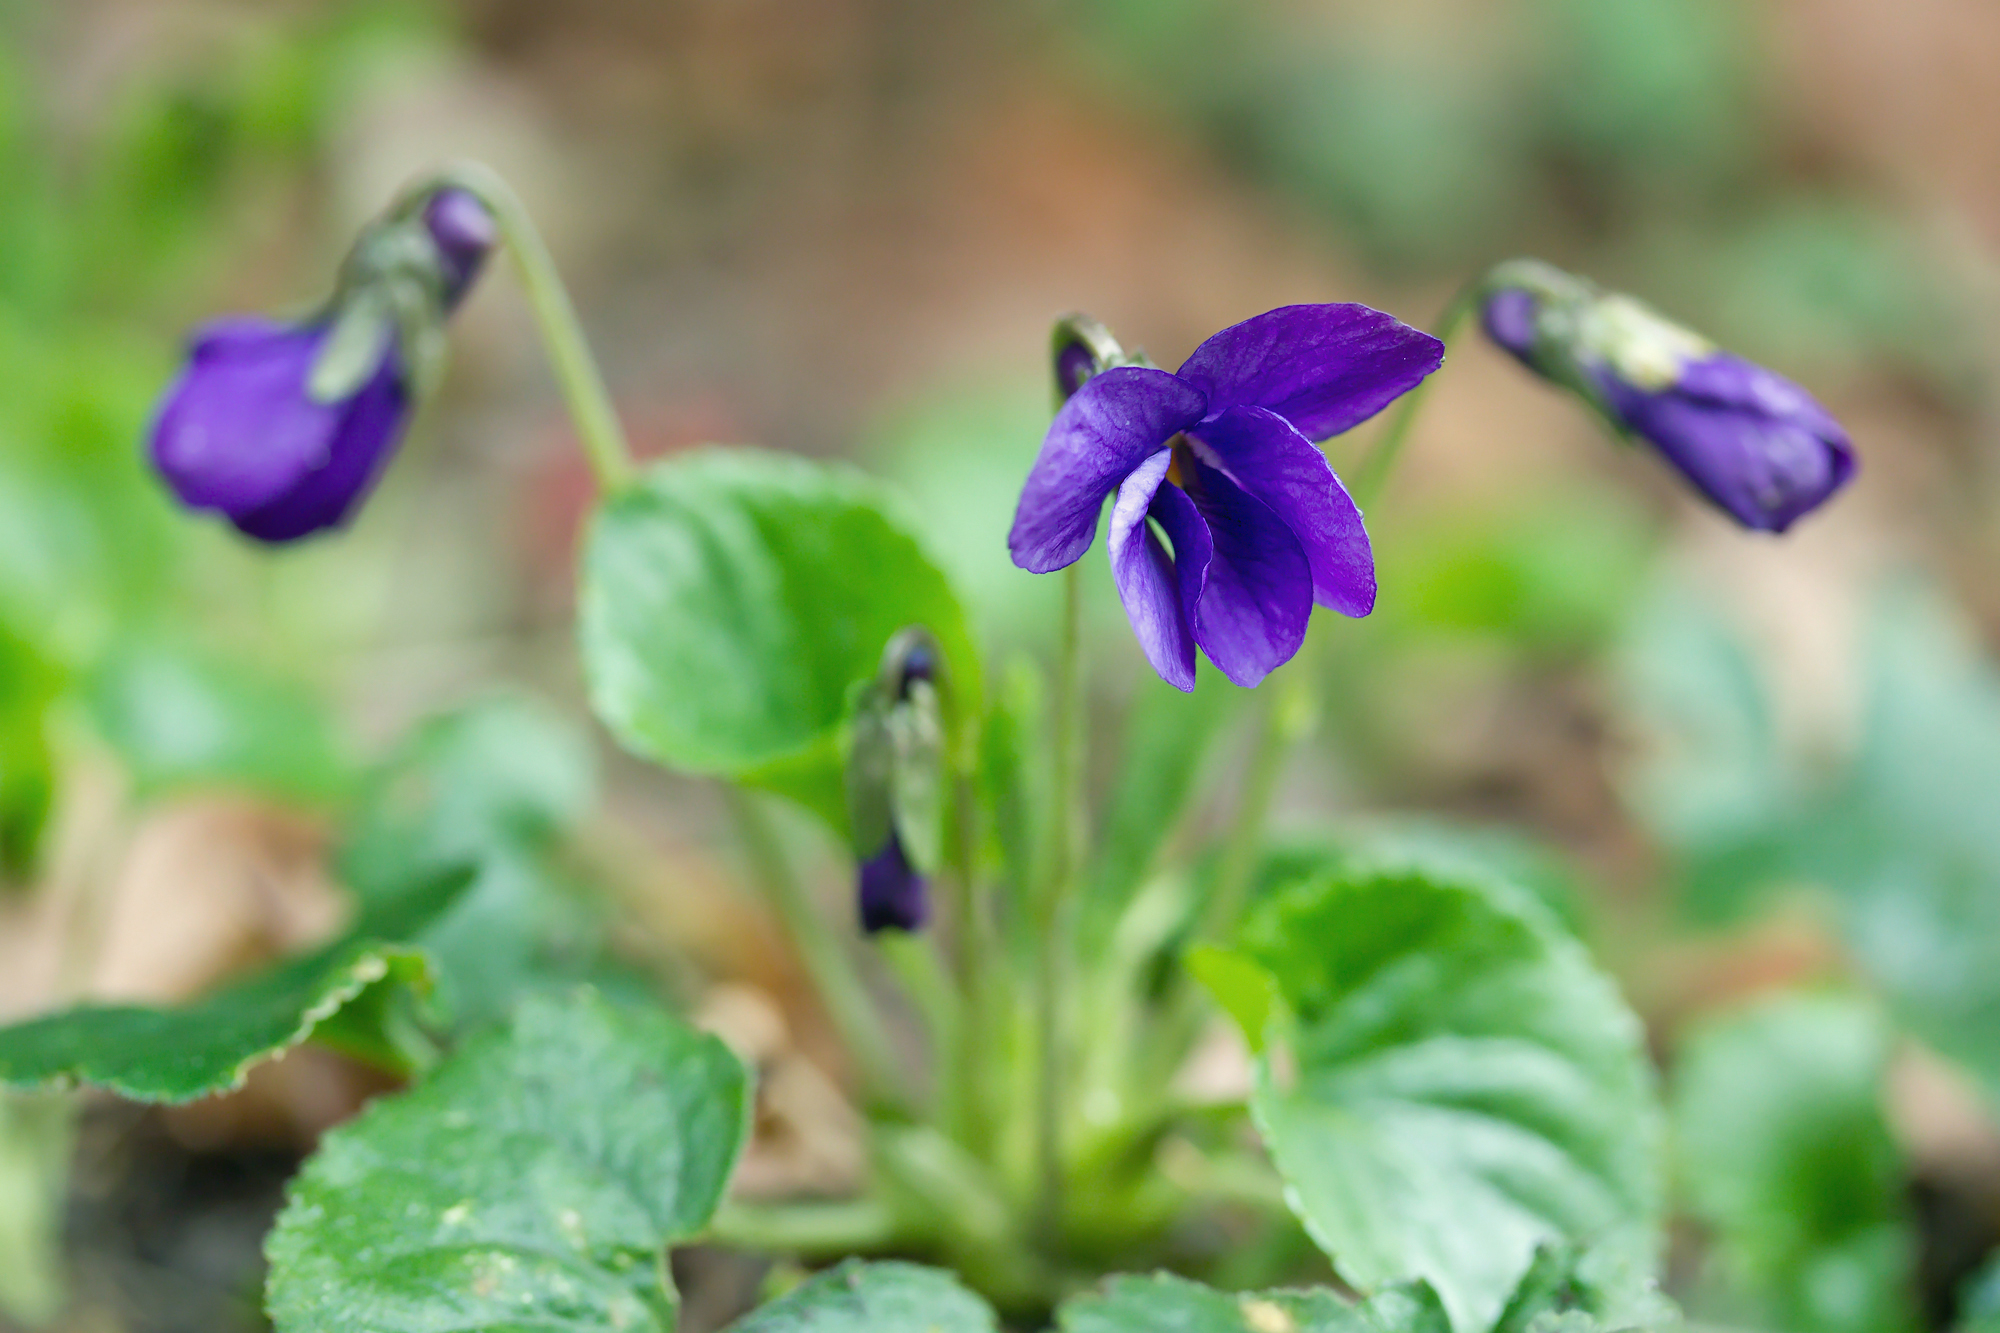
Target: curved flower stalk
1754, 443
1229, 524
283, 427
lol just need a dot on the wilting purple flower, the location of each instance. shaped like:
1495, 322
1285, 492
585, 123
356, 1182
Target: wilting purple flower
1218, 460
1753, 442
240, 430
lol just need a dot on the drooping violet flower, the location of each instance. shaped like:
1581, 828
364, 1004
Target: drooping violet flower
1229, 524
1754, 443
894, 780
282, 426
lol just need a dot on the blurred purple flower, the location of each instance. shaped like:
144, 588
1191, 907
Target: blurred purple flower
1753, 442
893, 895
240, 430
1218, 458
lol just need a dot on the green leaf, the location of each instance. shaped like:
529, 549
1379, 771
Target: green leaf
179, 719
177, 1055
732, 598
29, 686
1162, 1302
533, 1180
856, 1297
1785, 1154
36, 1135
1245, 990
1460, 1085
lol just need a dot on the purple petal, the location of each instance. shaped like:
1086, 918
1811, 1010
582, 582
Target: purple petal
1108, 428
1258, 594
1267, 457
1146, 578
464, 232
370, 427
1765, 459
1194, 546
236, 429
1324, 368
893, 896
1509, 320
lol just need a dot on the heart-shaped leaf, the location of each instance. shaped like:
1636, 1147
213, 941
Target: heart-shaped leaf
533, 1180
856, 1297
1448, 1084
731, 600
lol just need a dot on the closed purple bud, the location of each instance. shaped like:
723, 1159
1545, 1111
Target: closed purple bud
250, 429
893, 895
1754, 443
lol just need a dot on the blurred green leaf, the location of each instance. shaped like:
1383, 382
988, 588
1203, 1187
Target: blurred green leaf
856, 1297
491, 786
732, 598
1162, 1301
184, 719
1459, 1086
1784, 1152
29, 687
177, 1055
533, 1179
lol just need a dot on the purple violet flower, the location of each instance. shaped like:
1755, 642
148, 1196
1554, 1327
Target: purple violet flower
1229, 524
242, 431
1754, 443
893, 778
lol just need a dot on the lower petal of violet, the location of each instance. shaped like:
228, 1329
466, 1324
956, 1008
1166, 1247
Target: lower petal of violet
1266, 455
893, 895
369, 428
1258, 594
1146, 578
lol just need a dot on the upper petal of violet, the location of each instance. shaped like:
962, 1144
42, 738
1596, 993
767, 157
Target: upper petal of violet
1324, 368
1261, 451
237, 429
1145, 575
1104, 431
1258, 593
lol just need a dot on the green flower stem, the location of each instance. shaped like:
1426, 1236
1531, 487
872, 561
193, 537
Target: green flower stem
1373, 473
576, 371
1065, 864
833, 972
810, 1231
975, 950
914, 959
1290, 717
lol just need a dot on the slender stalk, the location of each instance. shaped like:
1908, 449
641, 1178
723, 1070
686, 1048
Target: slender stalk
975, 951
1065, 865
1373, 473
1290, 718
576, 371
833, 972
808, 1230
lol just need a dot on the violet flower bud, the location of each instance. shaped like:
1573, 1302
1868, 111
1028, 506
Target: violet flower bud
284, 427
895, 787
1754, 443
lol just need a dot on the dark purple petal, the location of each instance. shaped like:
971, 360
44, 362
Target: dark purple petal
1145, 575
1750, 440
1258, 594
1194, 547
371, 425
1108, 428
464, 232
893, 896
1324, 368
238, 432
1281, 467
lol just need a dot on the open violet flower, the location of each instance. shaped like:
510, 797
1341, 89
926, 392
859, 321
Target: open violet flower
1229, 524
248, 428
1754, 443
